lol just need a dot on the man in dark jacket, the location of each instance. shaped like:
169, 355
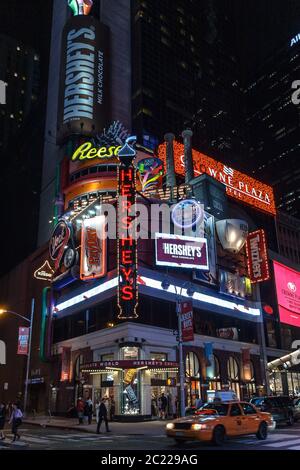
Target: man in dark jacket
102, 416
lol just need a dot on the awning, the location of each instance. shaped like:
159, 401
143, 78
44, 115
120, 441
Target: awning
99, 366
285, 362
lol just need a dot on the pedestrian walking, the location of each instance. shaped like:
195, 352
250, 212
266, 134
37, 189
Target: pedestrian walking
80, 410
2, 419
88, 410
102, 416
16, 421
112, 408
163, 406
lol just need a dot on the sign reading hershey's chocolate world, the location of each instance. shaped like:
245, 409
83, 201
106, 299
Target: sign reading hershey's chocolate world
83, 99
181, 251
128, 364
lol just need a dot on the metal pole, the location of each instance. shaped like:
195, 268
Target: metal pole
181, 363
28, 357
262, 344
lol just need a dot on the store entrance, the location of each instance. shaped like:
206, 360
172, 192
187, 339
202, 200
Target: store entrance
157, 410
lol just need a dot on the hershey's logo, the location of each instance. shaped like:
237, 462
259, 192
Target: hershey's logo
80, 75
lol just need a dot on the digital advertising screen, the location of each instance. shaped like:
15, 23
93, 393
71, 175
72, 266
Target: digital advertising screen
287, 283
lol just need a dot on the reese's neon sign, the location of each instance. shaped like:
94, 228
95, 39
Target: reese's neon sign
86, 151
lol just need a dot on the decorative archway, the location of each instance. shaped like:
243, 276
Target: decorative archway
192, 374
233, 372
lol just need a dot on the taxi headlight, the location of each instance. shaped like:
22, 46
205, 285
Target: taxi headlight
170, 426
198, 427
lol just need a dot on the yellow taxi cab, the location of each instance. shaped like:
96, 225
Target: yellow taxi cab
218, 420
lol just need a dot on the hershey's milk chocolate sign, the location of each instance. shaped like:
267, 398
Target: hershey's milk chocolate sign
83, 99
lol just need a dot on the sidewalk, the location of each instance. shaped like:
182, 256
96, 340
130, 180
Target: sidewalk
140, 428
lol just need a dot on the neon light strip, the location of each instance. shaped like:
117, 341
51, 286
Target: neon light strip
209, 299
87, 294
147, 281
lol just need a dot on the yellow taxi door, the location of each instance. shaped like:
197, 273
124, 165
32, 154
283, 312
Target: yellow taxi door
235, 420
251, 418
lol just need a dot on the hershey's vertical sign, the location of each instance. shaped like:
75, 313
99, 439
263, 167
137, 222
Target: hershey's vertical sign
83, 92
127, 244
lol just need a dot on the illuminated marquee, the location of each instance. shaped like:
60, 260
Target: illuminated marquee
238, 185
83, 97
127, 244
257, 257
93, 248
86, 151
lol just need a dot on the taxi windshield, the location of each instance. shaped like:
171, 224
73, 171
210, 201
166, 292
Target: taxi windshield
214, 408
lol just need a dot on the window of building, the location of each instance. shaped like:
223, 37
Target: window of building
131, 383
215, 382
235, 410
250, 384
234, 375
192, 367
78, 379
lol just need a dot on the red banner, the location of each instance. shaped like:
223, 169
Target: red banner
23, 340
187, 323
257, 257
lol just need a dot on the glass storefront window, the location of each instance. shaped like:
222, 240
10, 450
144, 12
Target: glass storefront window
276, 383
192, 371
234, 375
215, 383
129, 353
78, 382
293, 379
130, 386
157, 356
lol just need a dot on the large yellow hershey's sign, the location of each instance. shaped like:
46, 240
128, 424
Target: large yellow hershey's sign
87, 151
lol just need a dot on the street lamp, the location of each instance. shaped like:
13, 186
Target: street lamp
30, 321
189, 293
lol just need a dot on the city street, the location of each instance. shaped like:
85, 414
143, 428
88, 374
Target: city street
153, 438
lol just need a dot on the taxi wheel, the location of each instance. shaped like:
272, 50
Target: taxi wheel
262, 432
218, 436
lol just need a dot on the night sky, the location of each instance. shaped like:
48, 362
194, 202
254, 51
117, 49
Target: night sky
30, 22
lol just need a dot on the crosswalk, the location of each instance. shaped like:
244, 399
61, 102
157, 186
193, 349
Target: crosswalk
278, 440
46, 441
274, 441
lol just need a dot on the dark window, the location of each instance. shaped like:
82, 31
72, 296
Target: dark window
248, 409
221, 409
235, 410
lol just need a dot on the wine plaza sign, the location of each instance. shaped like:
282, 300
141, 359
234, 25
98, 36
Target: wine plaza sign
238, 185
